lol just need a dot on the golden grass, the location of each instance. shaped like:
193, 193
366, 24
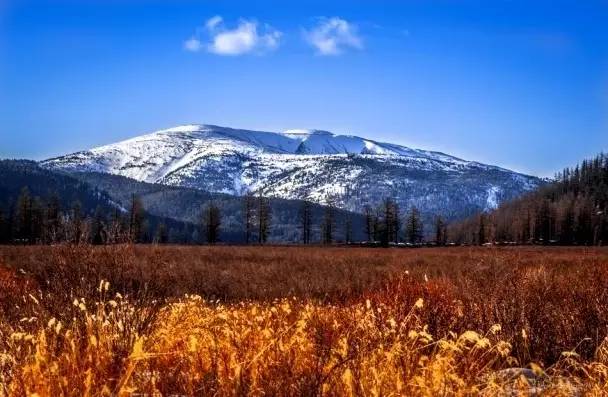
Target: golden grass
389, 340
281, 348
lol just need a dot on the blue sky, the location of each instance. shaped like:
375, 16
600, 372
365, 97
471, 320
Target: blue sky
519, 84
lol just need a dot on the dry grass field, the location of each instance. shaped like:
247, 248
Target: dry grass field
146, 320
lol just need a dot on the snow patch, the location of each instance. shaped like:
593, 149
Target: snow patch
492, 200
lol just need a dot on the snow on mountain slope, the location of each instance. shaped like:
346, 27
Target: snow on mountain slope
304, 164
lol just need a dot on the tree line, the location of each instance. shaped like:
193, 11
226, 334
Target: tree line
35, 220
384, 225
570, 211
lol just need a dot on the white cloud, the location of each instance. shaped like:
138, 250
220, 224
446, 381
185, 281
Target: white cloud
246, 37
193, 44
332, 36
213, 22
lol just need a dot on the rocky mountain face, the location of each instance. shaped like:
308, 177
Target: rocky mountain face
304, 164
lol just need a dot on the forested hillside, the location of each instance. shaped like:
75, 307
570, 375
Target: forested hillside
184, 204
41, 206
17, 174
570, 211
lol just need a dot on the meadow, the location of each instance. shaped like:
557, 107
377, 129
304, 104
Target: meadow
176, 320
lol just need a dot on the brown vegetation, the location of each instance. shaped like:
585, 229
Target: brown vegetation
78, 320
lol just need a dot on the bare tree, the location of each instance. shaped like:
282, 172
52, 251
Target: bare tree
162, 234
348, 229
264, 217
369, 222
414, 227
481, 234
117, 232
77, 223
136, 220
52, 219
440, 231
306, 221
248, 215
211, 222
98, 228
329, 221
390, 224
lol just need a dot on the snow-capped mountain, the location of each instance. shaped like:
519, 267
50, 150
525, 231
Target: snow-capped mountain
304, 164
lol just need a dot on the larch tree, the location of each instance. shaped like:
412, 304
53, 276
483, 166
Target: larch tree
211, 222
306, 221
248, 215
136, 220
414, 226
162, 234
440, 231
24, 216
52, 219
98, 227
348, 229
76, 224
329, 222
264, 217
481, 232
369, 222
3, 228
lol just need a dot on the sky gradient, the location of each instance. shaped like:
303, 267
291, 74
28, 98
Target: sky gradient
520, 85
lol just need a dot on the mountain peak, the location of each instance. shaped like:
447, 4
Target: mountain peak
306, 132
184, 128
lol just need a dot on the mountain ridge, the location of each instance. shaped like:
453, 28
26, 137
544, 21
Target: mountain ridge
315, 165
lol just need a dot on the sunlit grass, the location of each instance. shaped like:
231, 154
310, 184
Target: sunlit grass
406, 338
287, 347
